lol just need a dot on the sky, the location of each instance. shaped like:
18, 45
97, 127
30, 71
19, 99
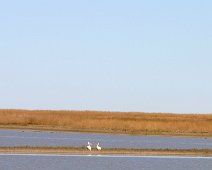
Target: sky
109, 55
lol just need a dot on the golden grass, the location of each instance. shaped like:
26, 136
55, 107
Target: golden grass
124, 122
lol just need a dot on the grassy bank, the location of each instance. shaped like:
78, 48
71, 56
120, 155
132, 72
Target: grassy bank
111, 122
106, 151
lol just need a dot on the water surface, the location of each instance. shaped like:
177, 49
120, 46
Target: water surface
33, 138
83, 162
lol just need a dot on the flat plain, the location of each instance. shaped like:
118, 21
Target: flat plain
109, 122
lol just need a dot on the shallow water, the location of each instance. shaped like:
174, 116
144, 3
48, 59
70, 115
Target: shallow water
32, 138
64, 162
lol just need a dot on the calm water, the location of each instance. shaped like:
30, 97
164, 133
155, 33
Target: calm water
31, 138
77, 162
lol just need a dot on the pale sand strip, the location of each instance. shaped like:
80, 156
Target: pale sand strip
80, 151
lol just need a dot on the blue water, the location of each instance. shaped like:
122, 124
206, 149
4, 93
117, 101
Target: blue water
33, 138
83, 162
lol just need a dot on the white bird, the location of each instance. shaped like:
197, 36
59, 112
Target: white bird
99, 148
89, 146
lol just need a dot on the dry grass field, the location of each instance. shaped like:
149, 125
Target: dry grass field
112, 122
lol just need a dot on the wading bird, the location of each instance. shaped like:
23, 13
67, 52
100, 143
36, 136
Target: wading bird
99, 148
89, 146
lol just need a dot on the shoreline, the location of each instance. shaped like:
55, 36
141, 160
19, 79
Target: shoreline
106, 151
64, 129
130, 123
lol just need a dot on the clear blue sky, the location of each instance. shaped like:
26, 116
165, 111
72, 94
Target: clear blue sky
113, 55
